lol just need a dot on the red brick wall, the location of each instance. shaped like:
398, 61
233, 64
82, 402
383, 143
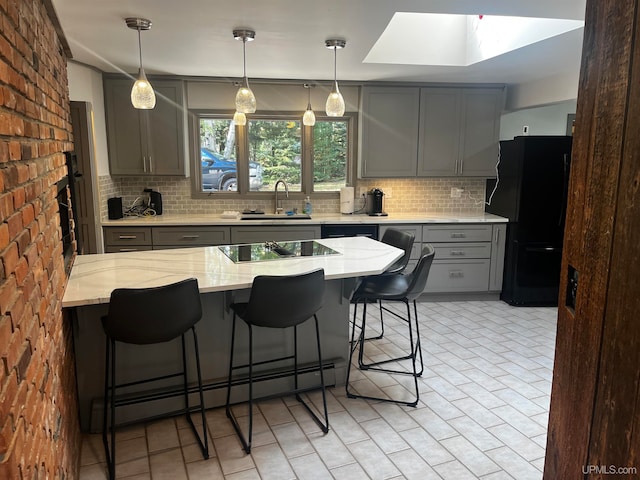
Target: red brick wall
39, 433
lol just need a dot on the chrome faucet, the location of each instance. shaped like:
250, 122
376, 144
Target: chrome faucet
278, 208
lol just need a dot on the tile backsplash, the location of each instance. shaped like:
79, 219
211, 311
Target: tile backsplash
405, 196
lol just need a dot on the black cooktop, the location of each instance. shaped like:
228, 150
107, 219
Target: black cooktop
260, 252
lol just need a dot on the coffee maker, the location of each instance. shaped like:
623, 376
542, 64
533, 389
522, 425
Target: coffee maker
374, 203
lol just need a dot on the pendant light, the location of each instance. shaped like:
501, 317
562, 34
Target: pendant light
245, 100
142, 94
239, 118
309, 118
335, 102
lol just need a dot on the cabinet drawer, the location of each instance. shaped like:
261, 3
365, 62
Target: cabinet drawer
458, 276
278, 234
127, 236
462, 250
190, 236
460, 233
415, 229
132, 248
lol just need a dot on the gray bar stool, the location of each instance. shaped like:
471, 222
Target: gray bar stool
278, 302
398, 287
144, 316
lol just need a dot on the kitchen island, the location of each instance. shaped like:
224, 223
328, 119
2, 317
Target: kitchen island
221, 282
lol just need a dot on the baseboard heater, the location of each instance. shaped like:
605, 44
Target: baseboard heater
166, 397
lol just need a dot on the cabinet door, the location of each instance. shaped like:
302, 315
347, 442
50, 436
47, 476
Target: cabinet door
481, 109
439, 147
147, 142
497, 257
165, 128
389, 131
126, 137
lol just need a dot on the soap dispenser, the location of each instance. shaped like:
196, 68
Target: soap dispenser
307, 206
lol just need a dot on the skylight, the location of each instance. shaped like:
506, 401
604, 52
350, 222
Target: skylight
460, 40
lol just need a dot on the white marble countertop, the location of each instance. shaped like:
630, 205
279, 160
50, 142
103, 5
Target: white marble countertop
94, 277
216, 219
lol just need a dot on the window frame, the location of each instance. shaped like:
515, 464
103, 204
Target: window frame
242, 154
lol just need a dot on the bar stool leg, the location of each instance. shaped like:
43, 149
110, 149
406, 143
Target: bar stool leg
246, 444
204, 445
325, 427
105, 413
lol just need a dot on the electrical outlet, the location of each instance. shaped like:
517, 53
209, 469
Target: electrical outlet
456, 192
388, 192
362, 192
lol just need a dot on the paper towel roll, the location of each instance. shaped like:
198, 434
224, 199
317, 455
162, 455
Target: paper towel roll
346, 199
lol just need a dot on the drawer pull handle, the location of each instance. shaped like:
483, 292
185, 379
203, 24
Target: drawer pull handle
127, 237
190, 237
456, 274
458, 235
457, 253
128, 250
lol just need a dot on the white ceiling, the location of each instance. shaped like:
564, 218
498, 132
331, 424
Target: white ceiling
194, 38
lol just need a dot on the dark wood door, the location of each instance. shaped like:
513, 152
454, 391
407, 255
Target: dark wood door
595, 407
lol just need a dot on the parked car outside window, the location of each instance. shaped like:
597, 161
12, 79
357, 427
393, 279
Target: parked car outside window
219, 173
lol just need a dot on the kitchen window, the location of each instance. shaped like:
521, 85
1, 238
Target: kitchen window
248, 160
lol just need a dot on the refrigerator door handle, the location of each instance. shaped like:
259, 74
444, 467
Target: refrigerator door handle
565, 187
543, 249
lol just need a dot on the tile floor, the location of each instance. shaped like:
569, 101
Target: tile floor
482, 414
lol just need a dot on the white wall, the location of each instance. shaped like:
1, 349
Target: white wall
547, 120
85, 85
546, 91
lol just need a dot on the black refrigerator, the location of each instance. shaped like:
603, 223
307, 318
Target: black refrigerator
532, 193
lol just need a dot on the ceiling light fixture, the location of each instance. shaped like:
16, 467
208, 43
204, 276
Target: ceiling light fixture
335, 102
309, 118
245, 99
142, 94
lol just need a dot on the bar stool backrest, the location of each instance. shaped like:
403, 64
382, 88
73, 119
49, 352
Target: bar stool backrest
153, 315
280, 301
418, 277
399, 239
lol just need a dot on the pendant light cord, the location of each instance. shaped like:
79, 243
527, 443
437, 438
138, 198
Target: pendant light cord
335, 65
140, 47
244, 56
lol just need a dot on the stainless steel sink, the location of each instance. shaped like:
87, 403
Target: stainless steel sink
280, 216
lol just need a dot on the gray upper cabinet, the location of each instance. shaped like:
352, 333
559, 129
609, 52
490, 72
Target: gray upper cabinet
430, 131
440, 111
459, 131
145, 142
389, 131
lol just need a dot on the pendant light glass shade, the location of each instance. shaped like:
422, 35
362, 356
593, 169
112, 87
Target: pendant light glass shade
335, 103
239, 118
309, 118
142, 95
245, 99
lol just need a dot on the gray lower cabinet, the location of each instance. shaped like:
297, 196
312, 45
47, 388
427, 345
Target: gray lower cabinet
131, 239
262, 233
127, 239
469, 258
145, 142
181, 237
498, 243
